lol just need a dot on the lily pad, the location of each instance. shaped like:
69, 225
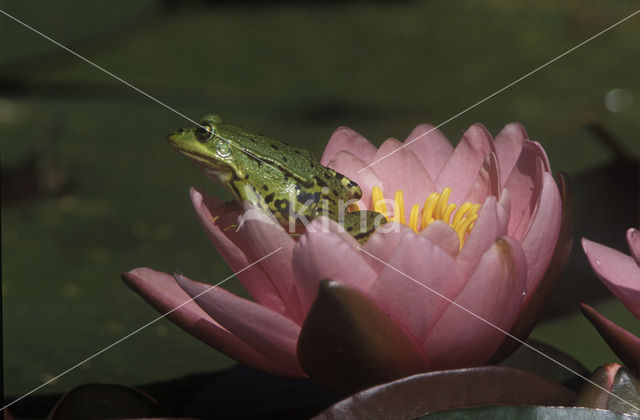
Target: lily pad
448, 389
101, 401
626, 389
527, 413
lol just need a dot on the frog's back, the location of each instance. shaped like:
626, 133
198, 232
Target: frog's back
293, 160
268, 149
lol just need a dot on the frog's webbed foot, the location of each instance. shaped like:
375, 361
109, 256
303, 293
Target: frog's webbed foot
361, 224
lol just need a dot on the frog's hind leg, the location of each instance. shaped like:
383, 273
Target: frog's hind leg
361, 224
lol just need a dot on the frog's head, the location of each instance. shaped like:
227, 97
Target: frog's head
204, 146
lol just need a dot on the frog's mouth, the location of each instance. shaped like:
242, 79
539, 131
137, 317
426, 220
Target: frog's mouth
174, 138
211, 168
180, 141
204, 161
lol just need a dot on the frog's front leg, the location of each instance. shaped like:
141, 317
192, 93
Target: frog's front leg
361, 224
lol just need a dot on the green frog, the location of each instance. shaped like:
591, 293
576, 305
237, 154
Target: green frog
280, 179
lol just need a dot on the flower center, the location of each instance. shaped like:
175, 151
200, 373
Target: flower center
436, 207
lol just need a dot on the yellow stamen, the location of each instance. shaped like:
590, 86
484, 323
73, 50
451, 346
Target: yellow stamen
413, 219
474, 209
398, 211
465, 225
429, 206
231, 227
447, 214
460, 213
436, 207
377, 199
444, 199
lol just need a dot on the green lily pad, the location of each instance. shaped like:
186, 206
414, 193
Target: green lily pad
527, 413
626, 388
448, 389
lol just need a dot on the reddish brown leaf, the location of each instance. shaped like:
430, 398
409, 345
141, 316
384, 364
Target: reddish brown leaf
617, 390
623, 343
593, 397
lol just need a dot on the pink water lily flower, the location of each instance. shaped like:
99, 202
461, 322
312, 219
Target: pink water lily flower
619, 272
478, 224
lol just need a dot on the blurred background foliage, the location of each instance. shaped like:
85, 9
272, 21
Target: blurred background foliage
90, 188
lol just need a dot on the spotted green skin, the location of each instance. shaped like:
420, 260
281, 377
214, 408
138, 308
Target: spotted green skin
273, 175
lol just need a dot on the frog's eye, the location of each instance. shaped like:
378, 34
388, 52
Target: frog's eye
204, 132
223, 149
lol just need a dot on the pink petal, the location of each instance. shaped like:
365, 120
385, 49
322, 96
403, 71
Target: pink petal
504, 207
218, 227
524, 185
509, 143
351, 166
619, 272
383, 242
487, 182
443, 235
326, 251
406, 286
431, 147
402, 170
162, 292
540, 241
493, 293
486, 230
348, 140
273, 334
633, 239
262, 237
541, 153
461, 170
